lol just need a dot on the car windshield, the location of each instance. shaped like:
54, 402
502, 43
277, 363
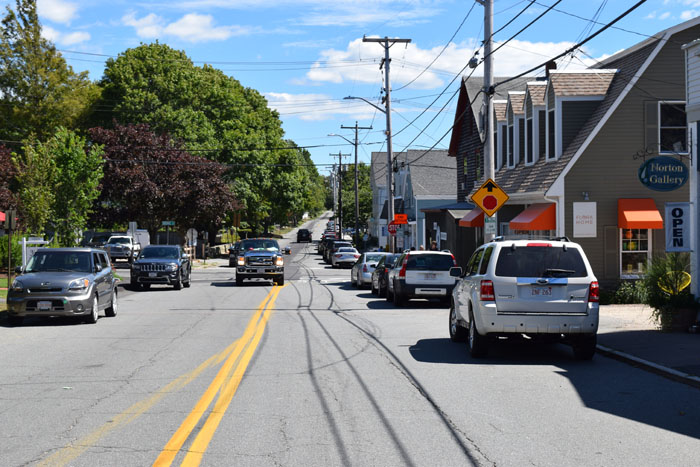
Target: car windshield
540, 261
159, 252
347, 250
338, 245
373, 258
120, 240
59, 261
269, 245
430, 262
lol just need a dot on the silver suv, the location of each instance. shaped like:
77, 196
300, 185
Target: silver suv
421, 274
537, 288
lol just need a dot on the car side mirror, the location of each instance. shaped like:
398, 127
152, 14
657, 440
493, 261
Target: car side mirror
456, 272
19, 270
98, 268
185, 256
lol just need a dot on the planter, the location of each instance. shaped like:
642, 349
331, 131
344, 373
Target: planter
677, 319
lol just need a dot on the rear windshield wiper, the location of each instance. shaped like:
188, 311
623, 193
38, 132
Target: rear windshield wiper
551, 271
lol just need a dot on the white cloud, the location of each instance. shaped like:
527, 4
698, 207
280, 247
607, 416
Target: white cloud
58, 37
689, 14
191, 27
57, 11
316, 107
664, 15
150, 26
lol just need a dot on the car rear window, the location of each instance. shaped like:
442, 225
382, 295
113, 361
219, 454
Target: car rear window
540, 261
373, 258
428, 262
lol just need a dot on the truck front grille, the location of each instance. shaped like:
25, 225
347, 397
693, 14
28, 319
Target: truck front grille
153, 267
259, 261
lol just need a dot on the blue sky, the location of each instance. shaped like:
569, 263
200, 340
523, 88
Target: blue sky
306, 55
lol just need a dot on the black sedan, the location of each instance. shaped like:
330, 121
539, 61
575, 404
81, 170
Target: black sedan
161, 264
303, 235
380, 272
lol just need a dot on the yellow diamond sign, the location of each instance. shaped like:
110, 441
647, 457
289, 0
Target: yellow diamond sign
490, 197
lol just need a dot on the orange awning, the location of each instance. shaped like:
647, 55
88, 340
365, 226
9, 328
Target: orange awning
540, 216
638, 213
474, 218
2, 216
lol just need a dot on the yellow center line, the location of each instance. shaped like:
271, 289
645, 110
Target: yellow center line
173, 446
74, 450
206, 433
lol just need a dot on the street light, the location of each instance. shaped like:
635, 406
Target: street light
389, 157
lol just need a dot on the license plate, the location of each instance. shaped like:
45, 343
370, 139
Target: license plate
431, 275
44, 306
541, 291
152, 274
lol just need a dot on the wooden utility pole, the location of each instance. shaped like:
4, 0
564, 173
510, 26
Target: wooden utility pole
340, 190
357, 198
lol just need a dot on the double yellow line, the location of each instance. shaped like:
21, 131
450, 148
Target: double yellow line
227, 378
245, 345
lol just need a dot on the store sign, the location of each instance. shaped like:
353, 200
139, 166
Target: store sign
585, 220
663, 173
677, 226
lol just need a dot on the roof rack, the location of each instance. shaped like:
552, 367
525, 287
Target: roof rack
560, 239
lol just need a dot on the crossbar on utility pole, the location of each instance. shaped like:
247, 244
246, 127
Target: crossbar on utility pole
357, 197
387, 43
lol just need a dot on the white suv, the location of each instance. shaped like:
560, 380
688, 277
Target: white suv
421, 274
536, 288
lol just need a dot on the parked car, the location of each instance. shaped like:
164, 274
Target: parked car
421, 274
233, 251
303, 235
332, 247
361, 272
379, 275
344, 257
64, 282
161, 264
541, 289
326, 238
260, 258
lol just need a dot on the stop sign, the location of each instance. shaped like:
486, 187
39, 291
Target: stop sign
392, 228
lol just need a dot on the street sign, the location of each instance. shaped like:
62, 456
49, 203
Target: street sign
393, 228
166, 223
490, 197
400, 218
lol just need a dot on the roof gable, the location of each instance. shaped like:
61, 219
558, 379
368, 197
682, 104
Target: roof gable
581, 83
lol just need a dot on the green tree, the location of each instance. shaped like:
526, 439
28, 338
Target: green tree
36, 178
38, 90
8, 198
364, 195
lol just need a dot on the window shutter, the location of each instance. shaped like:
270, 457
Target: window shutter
651, 126
612, 269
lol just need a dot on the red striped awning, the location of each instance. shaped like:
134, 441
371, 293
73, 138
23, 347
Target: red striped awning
539, 216
474, 218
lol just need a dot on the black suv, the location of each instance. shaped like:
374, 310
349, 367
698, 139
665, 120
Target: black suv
303, 235
161, 264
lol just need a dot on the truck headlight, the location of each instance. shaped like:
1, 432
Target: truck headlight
171, 267
17, 286
279, 261
241, 261
79, 284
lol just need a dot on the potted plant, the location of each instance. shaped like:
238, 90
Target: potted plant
666, 281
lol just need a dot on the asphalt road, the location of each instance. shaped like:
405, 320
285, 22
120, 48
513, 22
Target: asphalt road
317, 373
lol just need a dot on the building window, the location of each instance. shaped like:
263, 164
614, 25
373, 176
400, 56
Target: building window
530, 142
504, 145
510, 146
542, 130
551, 150
495, 150
635, 252
673, 130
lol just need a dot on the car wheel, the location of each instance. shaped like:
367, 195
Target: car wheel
188, 282
457, 332
353, 282
135, 286
145, 286
381, 291
584, 346
15, 320
478, 344
239, 280
399, 298
94, 312
388, 295
373, 290
231, 265
177, 285
279, 280
111, 310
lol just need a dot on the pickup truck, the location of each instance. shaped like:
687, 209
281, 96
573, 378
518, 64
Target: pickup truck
122, 247
260, 258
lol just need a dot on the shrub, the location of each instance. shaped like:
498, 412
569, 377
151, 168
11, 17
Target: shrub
16, 251
666, 281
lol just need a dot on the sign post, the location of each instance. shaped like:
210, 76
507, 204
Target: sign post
167, 225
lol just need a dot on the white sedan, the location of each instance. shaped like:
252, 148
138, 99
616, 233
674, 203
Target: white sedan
345, 256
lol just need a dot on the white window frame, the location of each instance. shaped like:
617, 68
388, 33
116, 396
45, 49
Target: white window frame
648, 251
658, 129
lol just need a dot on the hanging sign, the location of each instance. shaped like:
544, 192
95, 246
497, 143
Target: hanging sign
663, 173
677, 226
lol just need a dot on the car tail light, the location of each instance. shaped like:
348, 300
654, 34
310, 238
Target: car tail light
402, 272
338, 255
539, 244
454, 261
364, 268
593, 292
357, 256
487, 293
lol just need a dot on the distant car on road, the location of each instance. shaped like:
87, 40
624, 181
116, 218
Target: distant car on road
361, 273
161, 264
122, 247
303, 235
64, 282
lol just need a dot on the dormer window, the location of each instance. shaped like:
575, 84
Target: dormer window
551, 133
673, 129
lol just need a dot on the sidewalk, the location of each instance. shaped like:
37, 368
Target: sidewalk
628, 333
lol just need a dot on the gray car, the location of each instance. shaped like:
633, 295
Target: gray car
64, 282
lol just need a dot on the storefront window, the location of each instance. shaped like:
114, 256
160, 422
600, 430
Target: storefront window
634, 252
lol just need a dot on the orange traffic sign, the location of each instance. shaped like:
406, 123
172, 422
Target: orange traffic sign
490, 197
400, 218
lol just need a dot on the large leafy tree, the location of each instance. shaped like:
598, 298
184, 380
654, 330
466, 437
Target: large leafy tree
364, 195
38, 90
7, 198
149, 179
59, 180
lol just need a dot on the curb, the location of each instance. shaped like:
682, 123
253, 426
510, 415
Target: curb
652, 367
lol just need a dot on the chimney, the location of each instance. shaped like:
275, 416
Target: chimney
551, 65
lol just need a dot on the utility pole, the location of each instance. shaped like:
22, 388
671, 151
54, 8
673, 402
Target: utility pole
489, 163
357, 198
387, 43
340, 190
